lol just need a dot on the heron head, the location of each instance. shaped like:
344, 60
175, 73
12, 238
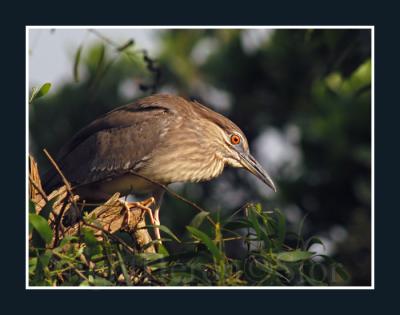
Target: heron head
229, 142
236, 153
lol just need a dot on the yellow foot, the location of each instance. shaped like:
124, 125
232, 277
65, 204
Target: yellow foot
145, 205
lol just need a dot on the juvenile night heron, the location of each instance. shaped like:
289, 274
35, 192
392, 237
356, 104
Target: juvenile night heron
162, 137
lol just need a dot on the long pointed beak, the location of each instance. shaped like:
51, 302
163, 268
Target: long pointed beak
251, 164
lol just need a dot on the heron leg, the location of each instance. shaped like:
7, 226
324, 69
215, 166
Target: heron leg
143, 205
158, 197
156, 223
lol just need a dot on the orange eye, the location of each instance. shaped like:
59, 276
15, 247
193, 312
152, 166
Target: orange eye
235, 139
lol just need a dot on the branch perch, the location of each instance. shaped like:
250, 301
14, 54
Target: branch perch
107, 218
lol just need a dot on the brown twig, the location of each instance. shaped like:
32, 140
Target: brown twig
39, 189
70, 196
66, 182
57, 223
191, 203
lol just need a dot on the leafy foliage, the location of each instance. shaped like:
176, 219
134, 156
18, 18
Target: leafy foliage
42, 91
202, 258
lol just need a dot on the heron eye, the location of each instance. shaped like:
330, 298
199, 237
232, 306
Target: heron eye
235, 139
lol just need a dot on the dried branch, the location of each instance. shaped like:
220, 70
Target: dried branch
65, 181
171, 192
38, 188
109, 217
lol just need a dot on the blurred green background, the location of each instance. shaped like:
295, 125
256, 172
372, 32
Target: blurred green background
302, 97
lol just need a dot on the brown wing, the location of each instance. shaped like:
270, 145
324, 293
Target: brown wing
112, 144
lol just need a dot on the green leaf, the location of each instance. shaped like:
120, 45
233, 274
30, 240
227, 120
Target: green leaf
182, 278
154, 242
313, 282
44, 259
123, 268
162, 250
30, 229
32, 264
300, 231
41, 227
253, 215
165, 230
84, 283
68, 239
41, 263
98, 281
44, 89
93, 246
89, 237
294, 256
145, 258
76, 63
31, 210
36, 93
342, 272
199, 218
206, 241
237, 224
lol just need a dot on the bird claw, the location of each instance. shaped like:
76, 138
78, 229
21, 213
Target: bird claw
144, 205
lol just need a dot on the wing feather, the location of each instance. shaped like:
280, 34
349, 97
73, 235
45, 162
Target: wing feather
121, 140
